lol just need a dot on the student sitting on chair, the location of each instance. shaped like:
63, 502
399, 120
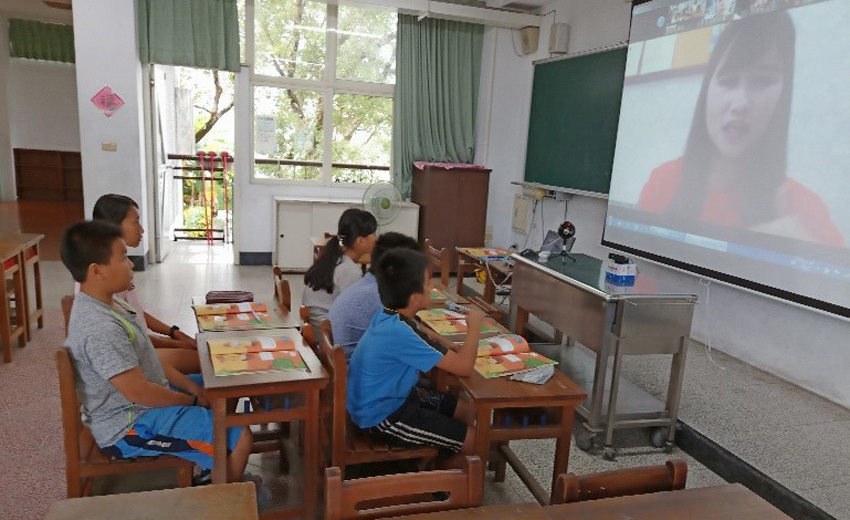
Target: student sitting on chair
351, 313
134, 406
383, 396
173, 346
336, 269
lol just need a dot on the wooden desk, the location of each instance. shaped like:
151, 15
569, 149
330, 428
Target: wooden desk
559, 395
502, 511
237, 501
728, 502
571, 294
499, 269
12, 263
284, 319
30, 244
220, 390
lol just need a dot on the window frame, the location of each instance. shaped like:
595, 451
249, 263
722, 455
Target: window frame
328, 87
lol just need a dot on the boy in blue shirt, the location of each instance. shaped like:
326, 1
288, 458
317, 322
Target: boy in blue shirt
353, 310
383, 396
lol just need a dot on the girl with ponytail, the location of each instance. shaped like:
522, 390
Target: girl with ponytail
336, 268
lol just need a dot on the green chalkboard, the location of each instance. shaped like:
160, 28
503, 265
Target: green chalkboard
575, 106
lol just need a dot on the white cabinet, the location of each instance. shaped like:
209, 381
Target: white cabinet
298, 219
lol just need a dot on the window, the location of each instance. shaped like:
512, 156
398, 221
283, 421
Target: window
322, 79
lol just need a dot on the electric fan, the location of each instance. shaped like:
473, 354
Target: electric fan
381, 200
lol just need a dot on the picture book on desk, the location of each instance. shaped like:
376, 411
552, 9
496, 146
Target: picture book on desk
242, 321
509, 364
229, 308
503, 344
439, 314
443, 327
439, 296
250, 345
487, 253
257, 362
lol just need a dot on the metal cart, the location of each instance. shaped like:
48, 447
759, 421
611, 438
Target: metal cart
612, 321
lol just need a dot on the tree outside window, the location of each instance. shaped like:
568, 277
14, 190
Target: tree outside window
323, 78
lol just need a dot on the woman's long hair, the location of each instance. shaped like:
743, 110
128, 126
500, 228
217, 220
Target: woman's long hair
743, 43
353, 223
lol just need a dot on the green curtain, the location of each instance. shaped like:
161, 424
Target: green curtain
194, 33
436, 95
41, 41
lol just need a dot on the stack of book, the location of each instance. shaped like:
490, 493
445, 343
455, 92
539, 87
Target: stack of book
506, 355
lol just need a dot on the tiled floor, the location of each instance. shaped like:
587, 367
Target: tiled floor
795, 437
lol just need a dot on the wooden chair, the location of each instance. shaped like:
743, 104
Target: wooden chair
83, 458
67, 304
307, 331
440, 259
282, 292
350, 499
343, 440
632, 481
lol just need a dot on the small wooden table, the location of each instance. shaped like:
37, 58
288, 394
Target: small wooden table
727, 502
31, 252
12, 263
502, 511
237, 501
495, 269
559, 396
220, 390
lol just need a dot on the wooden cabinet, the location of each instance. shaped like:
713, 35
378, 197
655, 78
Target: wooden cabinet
300, 218
48, 175
453, 206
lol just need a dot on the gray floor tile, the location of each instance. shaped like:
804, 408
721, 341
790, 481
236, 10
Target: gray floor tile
831, 499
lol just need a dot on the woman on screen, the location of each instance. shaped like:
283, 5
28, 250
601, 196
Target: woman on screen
733, 171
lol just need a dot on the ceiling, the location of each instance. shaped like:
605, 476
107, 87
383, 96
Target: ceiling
34, 10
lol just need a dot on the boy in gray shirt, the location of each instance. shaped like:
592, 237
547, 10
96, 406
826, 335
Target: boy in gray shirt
124, 390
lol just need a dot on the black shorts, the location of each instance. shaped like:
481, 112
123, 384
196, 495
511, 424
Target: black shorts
425, 419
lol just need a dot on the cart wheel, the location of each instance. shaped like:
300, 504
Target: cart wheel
609, 453
659, 437
584, 439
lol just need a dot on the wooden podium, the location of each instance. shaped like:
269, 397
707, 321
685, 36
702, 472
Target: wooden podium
453, 205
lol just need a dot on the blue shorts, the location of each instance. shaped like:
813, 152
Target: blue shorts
180, 431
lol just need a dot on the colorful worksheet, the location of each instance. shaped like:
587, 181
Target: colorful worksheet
246, 345
241, 321
257, 362
229, 308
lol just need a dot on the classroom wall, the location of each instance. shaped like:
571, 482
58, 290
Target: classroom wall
802, 346
7, 172
43, 112
107, 54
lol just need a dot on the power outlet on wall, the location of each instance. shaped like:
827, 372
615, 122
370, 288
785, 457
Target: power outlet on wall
522, 204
